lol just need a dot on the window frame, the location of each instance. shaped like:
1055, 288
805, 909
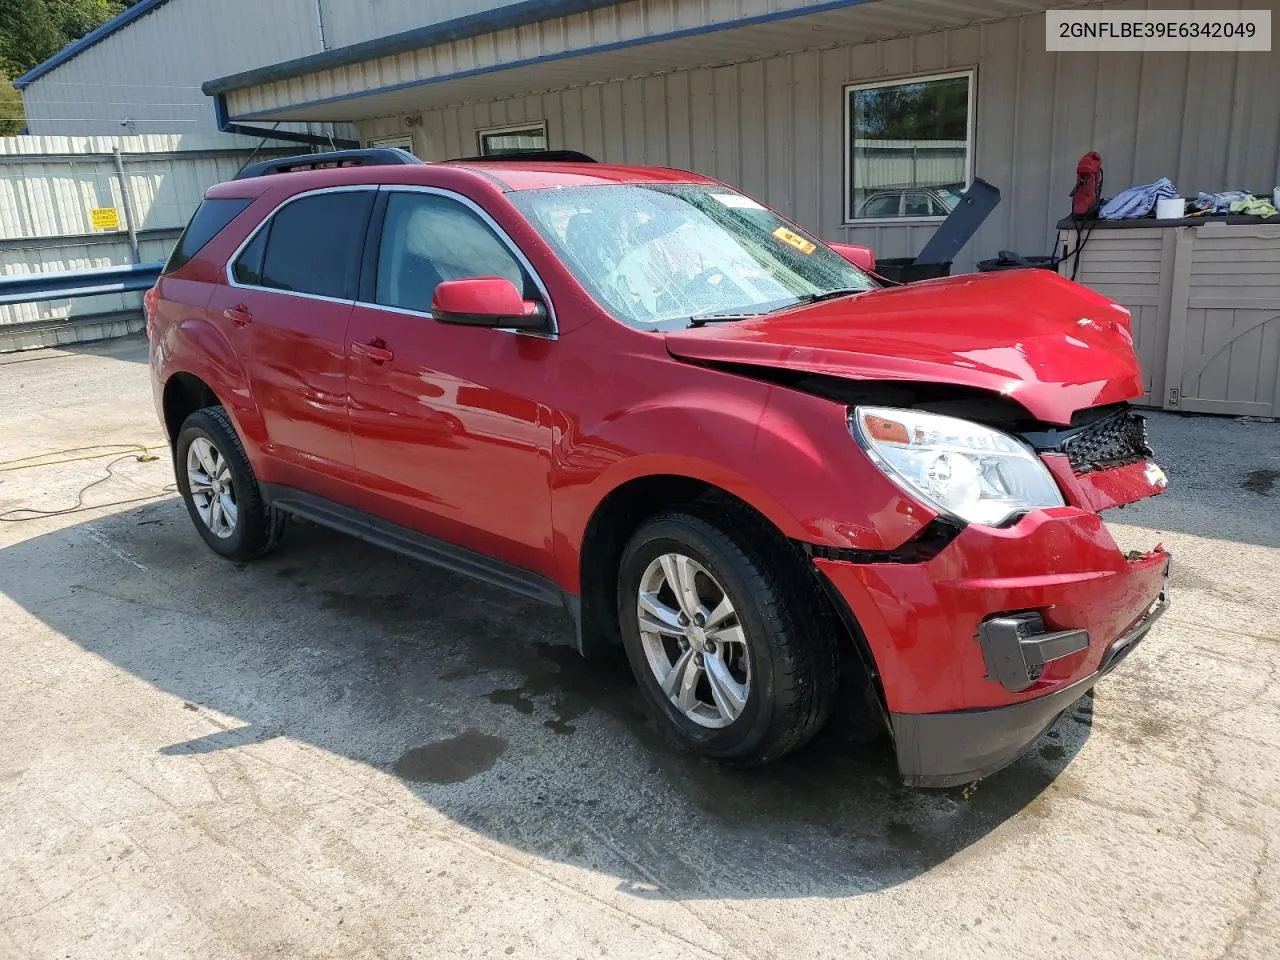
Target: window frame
971, 141
374, 254
539, 125
229, 272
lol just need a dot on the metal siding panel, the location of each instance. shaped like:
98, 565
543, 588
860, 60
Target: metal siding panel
680, 139
779, 146
702, 122
753, 138
806, 120
653, 115
615, 138
996, 149
150, 72
572, 136
634, 146
727, 124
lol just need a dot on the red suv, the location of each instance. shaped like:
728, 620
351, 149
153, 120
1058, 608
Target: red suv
713, 438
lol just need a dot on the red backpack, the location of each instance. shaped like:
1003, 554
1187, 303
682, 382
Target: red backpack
1086, 197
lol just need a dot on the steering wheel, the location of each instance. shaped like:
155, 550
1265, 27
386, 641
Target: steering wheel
706, 289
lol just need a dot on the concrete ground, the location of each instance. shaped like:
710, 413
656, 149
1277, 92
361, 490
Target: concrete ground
338, 752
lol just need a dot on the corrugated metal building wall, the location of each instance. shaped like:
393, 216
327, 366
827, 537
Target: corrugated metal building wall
775, 128
50, 185
149, 73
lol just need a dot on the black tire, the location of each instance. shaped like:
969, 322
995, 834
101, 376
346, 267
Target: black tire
793, 649
258, 527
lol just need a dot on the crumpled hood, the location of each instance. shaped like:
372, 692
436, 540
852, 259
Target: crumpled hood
1052, 345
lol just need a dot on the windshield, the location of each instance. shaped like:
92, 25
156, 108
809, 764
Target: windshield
659, 255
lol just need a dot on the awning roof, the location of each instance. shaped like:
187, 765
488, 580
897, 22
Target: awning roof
518, 49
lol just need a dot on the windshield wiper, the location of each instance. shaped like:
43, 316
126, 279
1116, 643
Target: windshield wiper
728, 316
702, 319
830, 295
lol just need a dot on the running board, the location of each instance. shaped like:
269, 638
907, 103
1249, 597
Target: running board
411, 543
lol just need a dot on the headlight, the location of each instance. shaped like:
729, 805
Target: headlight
960, 468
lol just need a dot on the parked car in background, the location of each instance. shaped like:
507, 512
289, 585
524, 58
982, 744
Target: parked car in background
710, 436
911, 202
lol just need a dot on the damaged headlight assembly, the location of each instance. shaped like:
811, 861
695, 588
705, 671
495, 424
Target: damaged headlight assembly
955, 466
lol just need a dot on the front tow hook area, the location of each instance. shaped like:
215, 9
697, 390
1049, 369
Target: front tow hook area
1016, 648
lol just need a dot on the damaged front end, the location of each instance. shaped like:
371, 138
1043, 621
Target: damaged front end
981, 646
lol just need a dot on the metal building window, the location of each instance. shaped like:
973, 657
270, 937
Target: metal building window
403, 143
908, 147
500, 141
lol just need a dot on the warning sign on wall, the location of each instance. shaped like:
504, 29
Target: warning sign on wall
105, 218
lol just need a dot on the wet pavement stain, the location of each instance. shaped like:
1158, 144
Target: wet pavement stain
1052, 752
450, 761
513, 698
572, 684
1260, 481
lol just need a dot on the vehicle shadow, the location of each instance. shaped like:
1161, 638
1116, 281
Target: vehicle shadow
474, 700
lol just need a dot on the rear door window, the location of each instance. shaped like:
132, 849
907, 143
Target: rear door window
248, 268
314, 246
210, 217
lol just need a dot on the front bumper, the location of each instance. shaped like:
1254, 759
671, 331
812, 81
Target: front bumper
956, 713
952, 748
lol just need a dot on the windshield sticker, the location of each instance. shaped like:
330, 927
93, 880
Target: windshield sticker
737, 201
793, 239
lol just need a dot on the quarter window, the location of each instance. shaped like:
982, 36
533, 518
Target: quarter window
909, 139
209, 219
312, 245
427, 239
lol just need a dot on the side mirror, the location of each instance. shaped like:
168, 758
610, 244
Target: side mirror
486, 302
860, 256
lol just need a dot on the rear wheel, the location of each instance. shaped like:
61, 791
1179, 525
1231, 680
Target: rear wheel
723, 632
219, 487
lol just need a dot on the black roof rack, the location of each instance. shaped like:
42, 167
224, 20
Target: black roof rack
549, 156
373, 156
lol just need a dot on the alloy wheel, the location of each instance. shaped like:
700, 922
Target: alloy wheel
212, 490
693, 640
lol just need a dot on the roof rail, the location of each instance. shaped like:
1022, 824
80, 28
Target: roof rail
373, 156
546, 156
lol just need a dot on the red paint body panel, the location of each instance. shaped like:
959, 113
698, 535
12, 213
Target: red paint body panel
1052, 345
448, 436
1105, 489
507, 444
921, 620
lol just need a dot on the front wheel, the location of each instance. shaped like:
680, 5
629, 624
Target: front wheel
723, 632
222, 495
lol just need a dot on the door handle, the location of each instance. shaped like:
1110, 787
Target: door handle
376, 351
239, 315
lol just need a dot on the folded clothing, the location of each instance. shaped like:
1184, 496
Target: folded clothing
1137, 201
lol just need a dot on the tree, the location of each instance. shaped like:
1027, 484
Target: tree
11, 115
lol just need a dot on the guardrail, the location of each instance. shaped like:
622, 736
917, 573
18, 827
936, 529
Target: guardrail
36, 287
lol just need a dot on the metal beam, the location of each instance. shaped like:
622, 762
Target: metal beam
66, 285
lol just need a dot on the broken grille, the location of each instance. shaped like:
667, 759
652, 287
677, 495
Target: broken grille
1111, 442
